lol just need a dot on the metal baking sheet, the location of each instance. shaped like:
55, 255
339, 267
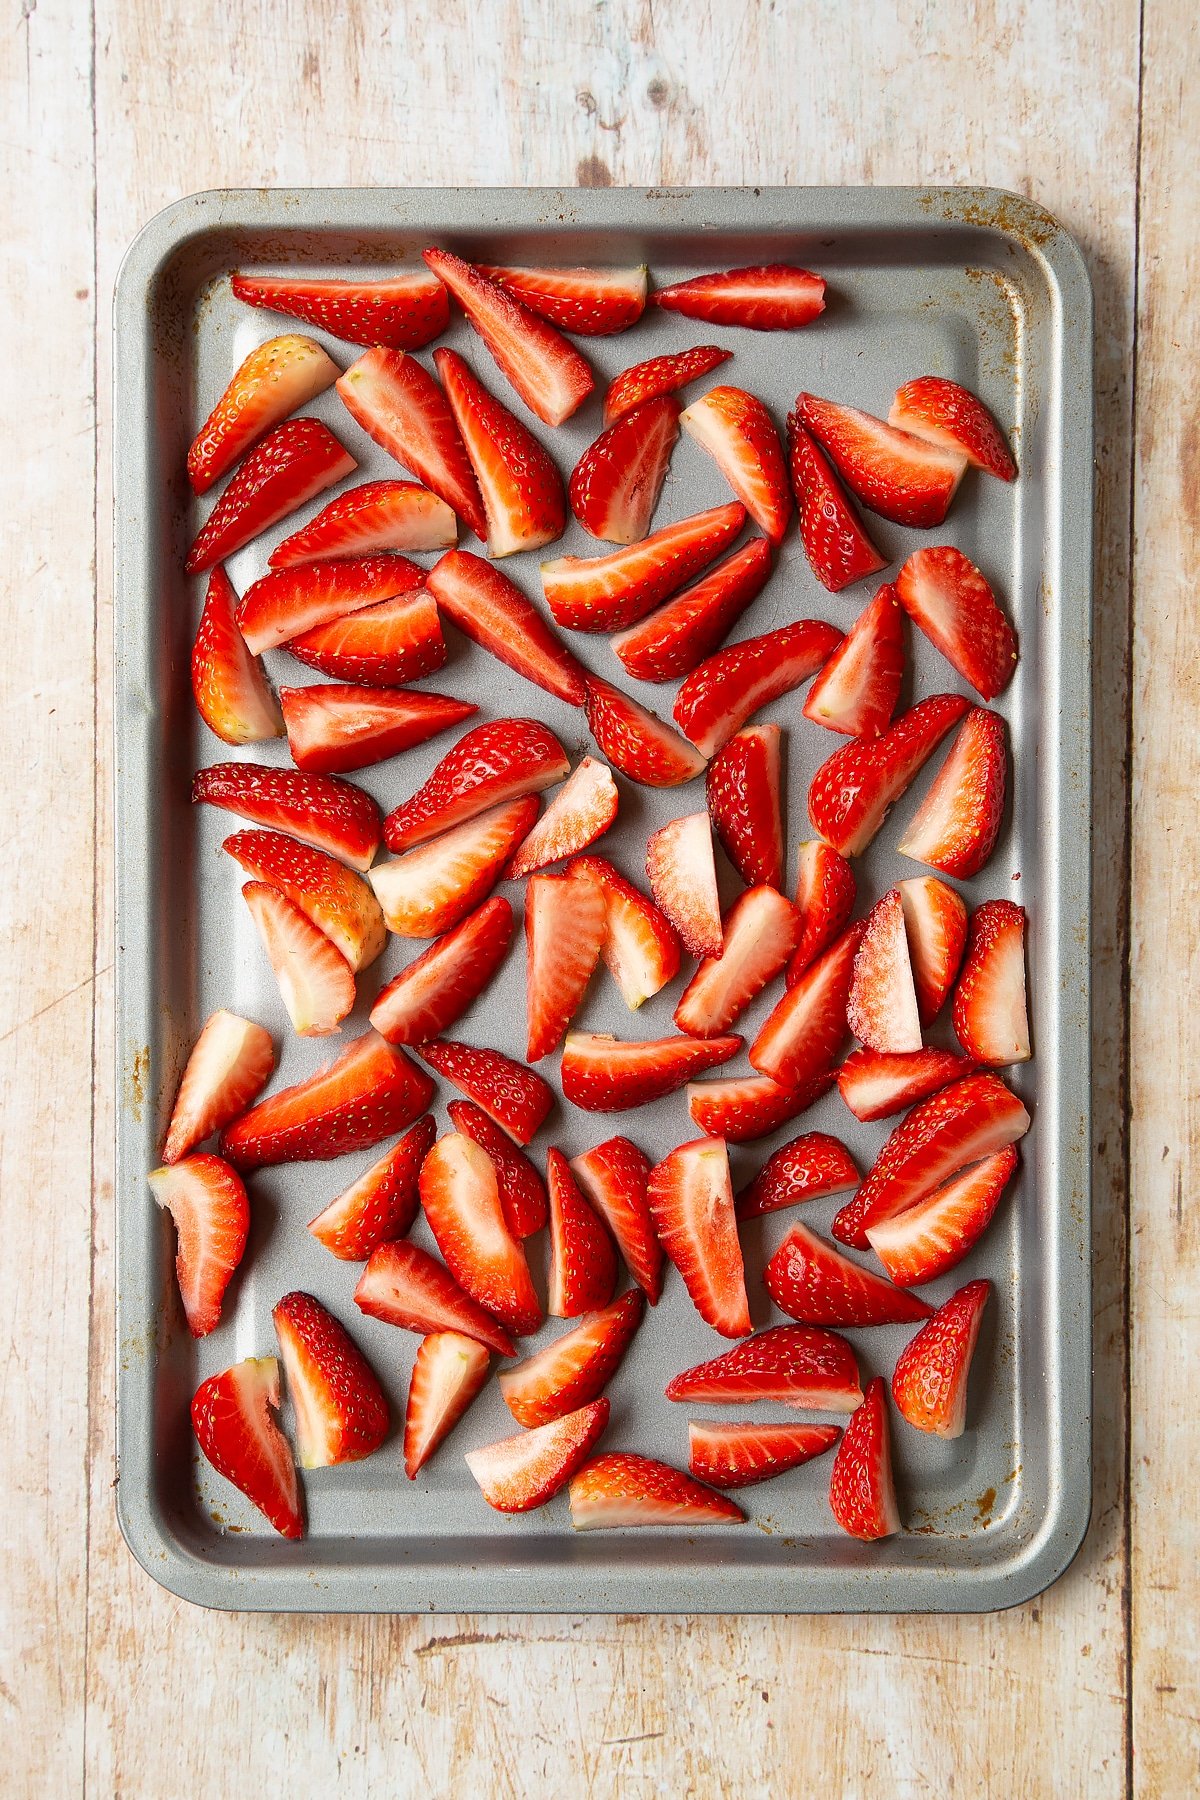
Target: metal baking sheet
975, 284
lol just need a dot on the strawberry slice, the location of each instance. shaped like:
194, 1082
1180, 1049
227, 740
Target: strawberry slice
750, 1106
929, 1384
604, 593
426, 998
678, 635
232, 694
949, 599
583, 1263
622, 1489
565, 922
811, 1281
825, 894
589, 302
736, 430
943, 413
616, 483
321, 810
734, 1456
383, 645
449, 1371
208, 1202
549, 374
382, 1204
403, 1285
497, 761
291, 602
375, 515
294, 462
461, 1201
874, 1086
636, 740
401, 313
766, 297
522, 1190
722, 693
521, 487
926, 1240
683, 880
336, 899
834, 537
576, 1367
316, 983
957, 824
230, 1064
368, 1093
613, 1176
582, 810
759, 936
659, 375
743, 792
430, 889
493, 612
855, 788
341, 1410
515, 1097
338, 727
602, 1074
808, 1168
795, 1365
862, 1493
881, 1008
276, 379
960, 1125
640, 947
234, 1426
691, 1202
935, 918
991, 1019
801, 1039
857, 690
399, 404
902, 478
522, 1472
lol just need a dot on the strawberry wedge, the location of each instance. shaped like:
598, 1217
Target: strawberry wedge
862, 1493
947, 597
522, 1190
338, 727
835, 541
515, 1097
404, 1286
523, 1472
929, 1239
736, 430
290, 602
233, 1417
722, 693
900, 477
208, 1202
765, 297
588, 302
316, 982
581, 811
881, 1008
875, 1085
660, 375
678, 635
382, 1204
429, 890
743, 1107
615, 484
276, 379
461, 1202
636, 741
449, 1371
944, 413
744, 802
855, 788
811, 1281
929, 1383
991, 1018
500, 760
621, 1489
492, 611
384, 645
400, 313
521, 487
375, 515
801, 1039
292, 464
825, 894
691, 1202
605, 593
321, 810
576, 1367
791, 1365
583, 1263
341, 1409
337, 899
232, 694
759, 936
640, 949
956, 827
565, 921
857, 690
602, 1074
935, 918
683, 880
426, 998
399, 404
613, 1176
734, 1456
808, 1168
230, 1064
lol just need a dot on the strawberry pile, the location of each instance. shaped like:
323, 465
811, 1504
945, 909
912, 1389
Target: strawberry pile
827, 966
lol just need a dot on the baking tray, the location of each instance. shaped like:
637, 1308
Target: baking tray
971, 283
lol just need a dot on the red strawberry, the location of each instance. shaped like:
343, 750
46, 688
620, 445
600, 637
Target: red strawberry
604, 593
383, 645
430, 889
450, 1369
811, 1281
881, 1008
426, 998
767, 297
490, 610
834, 537
582, 810
733, 1456
294, 462
321, 810
376, 515
523, 1472
736, 430
862, 1494
522, 1190
230, 1064
945, 594
461, 1201
369, 1092
640, 946
874, 1085
957, 1126
575, 1367
935, 918
678, 635
613, 1176
724, 691
401, 406
583, 1263
802, 1037
207, 1200
636, 740
565, 922
405, 1286
291, 602
854, 789
825, 894
742, 788
616, 483
795, 1365
691, 1203
402, 313
943, 413
683, 880
760, 935
234, 1426
336, 727
900, 477
515, 1097
601, 1074
341, 1410
857, 690
337, 900
926, 1240
622, 1489
929, 1384
276, 379
957, 824
659, 375
232, 694
750, 1106
316, 982
549, 374
808, 1168
991, 1020
382, 1204
521, 487
497, 761
589, 302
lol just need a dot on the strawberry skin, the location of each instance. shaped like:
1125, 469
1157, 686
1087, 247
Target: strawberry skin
290, 602
276, 379
401, 313
991, 1020
929, 1384
636, 741
862, 1493
208, 1202
616, 483
294, 462
429, 890
745, 1107
759, 936
949, 599
522, 1190
834, 538
854, 789
825, 894
743, 792
811, 1281
794, 1365
521, 487
881, 1007
382, 1204
461, 1201
942, 412
613, 1176
932, 1237
316, 983
369, 1092
659, 375
497, 761
515, 1097
691, 1202
399, 404
582, 810
341, 1410
230, 1064
605, 593
736, 430
233, 1422
957, 824
522, 1472
875, 1085
565, 922
734, 1456
640, 947
801, 1039
383, 645
321, 810
601, 1074
857, 690
765, 297
337, 899
338, 727
900, 477
576, 1367
426, 998
493, 612
622, 1489
404, 1286
589, 302
935, 918
583, 1263
808, 1168
375, 515
722, 693
232, 694
678, 635
449, 1371
683, 880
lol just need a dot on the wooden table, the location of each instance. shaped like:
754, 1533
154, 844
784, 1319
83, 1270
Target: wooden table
110, 110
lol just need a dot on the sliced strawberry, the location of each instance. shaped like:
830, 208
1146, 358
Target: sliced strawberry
736, 430
583, 1263
825, 894
430, 889
291, 602
900, 477
320, 810
582, 810
276, 379
926, 1240
376, 515
857, 690
929, 1384
341, 1410
957, 824
565, 923
678, 635
604, 593
450, 1369
522, 1190
426, 998
881, 1008
549, 374
401, 313
489, 609
734, 1456
497, 761
691, 1202
234, 1426
811, 1281
616, 483
602, 1074
943, 413
767, 297
622, 1489
854, 789
683, 880
383, 645
208, 1202
589, 302
808, 1168
795, 1365
801, 1039
337, 899
337, 727
722, 693
293, 463
614, 1177
232, 694
991, 1019
399, 404
874, 1085
521, 487
640, 946
382, 1204
461, 1201
575, 1367
759, 936
862, 1493
523, 1472
659, 375
946, 596
636, 740
750, 1106
743, 792
368, 1093
230, 1064
316, 983
834, 537
935, 918
515, 1097
405, 1286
